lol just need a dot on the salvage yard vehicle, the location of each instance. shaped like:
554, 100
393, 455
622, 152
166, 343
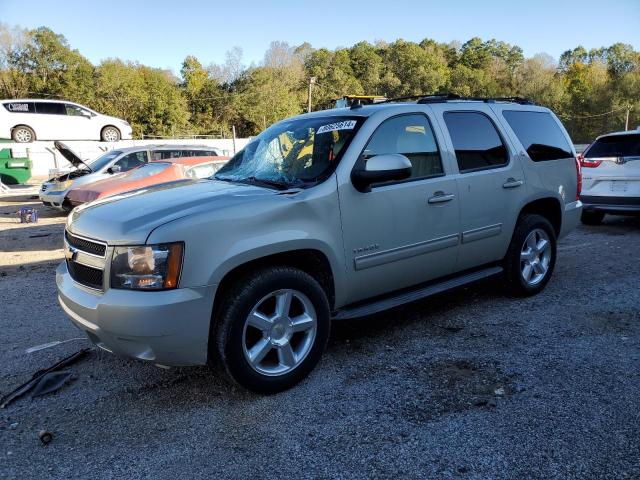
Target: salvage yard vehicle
611, 176
147, 175
54, 191
368, 208
28, 120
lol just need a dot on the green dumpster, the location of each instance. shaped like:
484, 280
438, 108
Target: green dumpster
14, 170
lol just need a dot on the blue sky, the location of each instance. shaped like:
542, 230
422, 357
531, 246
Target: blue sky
161, 33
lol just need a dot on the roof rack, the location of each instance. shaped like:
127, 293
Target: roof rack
445, 97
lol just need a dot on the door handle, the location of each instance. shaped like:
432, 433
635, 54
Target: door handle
441, 197
512, 183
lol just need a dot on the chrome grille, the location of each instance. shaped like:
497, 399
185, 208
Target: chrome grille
88, 276
94, 248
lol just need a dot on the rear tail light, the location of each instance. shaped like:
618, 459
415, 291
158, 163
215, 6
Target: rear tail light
587, 162
579, 160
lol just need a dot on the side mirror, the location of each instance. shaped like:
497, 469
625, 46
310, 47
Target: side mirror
114, 169
381, 168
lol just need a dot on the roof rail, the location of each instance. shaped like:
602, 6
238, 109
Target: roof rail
447, 96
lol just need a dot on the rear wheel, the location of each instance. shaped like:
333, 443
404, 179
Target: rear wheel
23, 134
531, 257
272, 328
592, 217
110, 134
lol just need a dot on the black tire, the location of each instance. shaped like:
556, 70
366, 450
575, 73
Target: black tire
110, 134
592, 217
238, 302
23, 134
514, 279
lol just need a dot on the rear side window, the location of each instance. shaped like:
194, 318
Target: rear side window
131, 161
20, 107
475, 141
51, 108
539, 134
615, 146
165, 154
411, 136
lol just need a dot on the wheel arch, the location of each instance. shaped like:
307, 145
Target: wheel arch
547, 207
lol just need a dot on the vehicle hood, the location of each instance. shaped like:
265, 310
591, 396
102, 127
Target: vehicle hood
129, 218
71, 156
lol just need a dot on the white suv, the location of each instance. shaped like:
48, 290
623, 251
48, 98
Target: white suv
27, 120
611, 176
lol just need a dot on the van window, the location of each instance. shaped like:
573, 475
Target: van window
411, 136
132, 161
475, 141
75, 111
200, 153
165, 154
51, 108
539, 134
615, 146
20, 107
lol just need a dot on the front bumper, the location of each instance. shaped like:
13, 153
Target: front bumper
616, 205
570, 218
53, 199
168, 327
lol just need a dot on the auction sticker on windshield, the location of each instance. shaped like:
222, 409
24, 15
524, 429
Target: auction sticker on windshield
344, 125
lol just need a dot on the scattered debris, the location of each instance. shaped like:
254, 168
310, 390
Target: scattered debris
51, 382
44, 346
13, 426
28, 386
45, 437
28, 215
499, 391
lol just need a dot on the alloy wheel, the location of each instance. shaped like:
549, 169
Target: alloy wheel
22, 135
535, 257
279, 332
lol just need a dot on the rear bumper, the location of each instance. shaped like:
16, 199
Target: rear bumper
570, 218
168, 327
621, 205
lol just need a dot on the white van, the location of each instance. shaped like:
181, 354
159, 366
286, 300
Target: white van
26, 120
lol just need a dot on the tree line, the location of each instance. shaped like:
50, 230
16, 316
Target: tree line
592, 91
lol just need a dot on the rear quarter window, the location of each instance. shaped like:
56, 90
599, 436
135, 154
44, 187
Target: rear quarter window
615, 146
539, 134
19, 107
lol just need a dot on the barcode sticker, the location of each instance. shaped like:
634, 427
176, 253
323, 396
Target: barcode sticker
344, 125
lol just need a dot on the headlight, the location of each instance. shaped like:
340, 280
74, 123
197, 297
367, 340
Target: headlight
147, 267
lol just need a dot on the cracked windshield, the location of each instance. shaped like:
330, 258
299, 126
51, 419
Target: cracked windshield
292, 153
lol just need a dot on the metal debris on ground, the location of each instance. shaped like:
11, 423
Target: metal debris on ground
29, 385
28, 215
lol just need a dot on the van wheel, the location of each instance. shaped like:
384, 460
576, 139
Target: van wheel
23, 134
272, 329
110, 134
592, 217
531, 256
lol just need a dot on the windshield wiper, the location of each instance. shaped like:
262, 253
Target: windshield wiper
266, 182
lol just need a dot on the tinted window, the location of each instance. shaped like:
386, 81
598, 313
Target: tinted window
132, 160
164, 154
539, 134
75, 111
200, 153
51, 108
615, 146
20, 107
475, 140
412, 136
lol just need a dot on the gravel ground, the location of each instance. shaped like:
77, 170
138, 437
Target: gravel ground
469, 384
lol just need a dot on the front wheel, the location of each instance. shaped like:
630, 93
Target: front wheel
272, 328
110, 134
531, 257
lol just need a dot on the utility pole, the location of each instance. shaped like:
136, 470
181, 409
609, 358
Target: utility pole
312, 82
626, 120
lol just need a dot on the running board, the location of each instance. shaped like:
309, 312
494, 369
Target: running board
413, 295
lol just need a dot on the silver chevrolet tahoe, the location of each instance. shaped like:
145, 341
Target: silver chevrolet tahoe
325, 216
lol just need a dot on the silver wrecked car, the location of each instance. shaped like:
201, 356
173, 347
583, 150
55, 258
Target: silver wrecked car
326, 216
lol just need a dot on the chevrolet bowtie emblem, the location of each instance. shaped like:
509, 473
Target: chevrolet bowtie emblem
70, 253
